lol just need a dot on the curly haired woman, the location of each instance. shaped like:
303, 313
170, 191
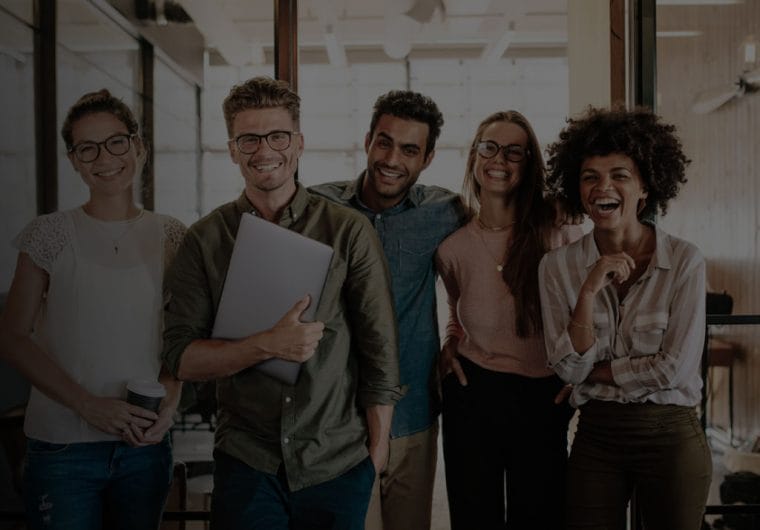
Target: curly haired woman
624, 321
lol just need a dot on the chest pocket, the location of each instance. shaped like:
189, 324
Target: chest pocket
416, 255
648, 330
602, 330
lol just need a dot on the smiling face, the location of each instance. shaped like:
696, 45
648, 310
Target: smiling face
108, 174
267, 171
611, 191
497, 175
395, 158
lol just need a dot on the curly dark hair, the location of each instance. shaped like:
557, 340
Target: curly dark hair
93, 103
638, 134
409, 105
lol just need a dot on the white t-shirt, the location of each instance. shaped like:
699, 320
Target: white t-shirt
101, 319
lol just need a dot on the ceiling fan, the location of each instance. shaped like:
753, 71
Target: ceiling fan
713, 98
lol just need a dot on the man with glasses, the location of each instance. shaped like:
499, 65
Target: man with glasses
411, 220
300, 456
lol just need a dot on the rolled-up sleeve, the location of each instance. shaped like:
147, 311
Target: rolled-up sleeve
373, 321
188, 314
557, 303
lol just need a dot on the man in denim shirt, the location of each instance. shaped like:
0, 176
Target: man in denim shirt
411, 220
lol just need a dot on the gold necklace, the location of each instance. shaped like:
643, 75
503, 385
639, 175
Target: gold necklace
499, 265
494, 228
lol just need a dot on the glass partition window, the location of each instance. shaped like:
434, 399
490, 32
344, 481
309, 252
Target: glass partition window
21, 9
18, 202
708, 73
175, 145
93, 53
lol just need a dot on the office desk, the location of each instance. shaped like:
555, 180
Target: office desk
719, 352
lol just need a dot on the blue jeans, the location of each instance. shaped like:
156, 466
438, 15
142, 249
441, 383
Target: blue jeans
89, 486
246, 499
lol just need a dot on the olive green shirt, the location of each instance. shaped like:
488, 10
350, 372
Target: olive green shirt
316, 428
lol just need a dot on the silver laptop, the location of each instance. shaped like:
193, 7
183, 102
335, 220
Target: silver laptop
271, 268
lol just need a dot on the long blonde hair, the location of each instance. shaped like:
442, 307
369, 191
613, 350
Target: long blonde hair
535, 217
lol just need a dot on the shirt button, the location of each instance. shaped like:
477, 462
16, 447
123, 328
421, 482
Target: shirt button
378, 216
287, 399
286, 440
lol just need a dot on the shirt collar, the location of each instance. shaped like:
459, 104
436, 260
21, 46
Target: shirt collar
352, 194
663, 252
294, 210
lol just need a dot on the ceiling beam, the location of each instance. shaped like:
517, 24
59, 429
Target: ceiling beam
222, 33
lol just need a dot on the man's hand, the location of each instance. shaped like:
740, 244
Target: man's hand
379, 453
379, 435
291, 339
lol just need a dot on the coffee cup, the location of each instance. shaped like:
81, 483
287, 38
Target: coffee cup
145, 394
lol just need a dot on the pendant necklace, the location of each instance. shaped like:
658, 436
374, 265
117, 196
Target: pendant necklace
105, 230
485, 227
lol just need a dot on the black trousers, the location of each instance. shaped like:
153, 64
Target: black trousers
504, 430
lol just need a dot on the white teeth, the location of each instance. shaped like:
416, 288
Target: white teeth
606, 202
388, 173
110, 173
268, 167
497, 174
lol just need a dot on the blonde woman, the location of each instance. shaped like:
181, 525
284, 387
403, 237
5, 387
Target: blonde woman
504, 416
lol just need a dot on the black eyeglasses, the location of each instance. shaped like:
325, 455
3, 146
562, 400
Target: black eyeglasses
512, 152
250, 143
117, 145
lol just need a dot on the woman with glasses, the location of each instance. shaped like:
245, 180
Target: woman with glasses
504, 414
82, 318
624, 320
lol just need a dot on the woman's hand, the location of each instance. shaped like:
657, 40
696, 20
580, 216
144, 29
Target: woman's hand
140, 437
611, 268
115, 416
563, 394
448, 362
158, 430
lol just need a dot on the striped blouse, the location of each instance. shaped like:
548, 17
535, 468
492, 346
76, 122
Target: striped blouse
654, 336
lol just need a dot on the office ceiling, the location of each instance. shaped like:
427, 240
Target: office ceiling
241, 32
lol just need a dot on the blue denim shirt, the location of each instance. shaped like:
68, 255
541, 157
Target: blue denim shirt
410, 233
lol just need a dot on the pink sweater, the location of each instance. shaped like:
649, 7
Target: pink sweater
481, 307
